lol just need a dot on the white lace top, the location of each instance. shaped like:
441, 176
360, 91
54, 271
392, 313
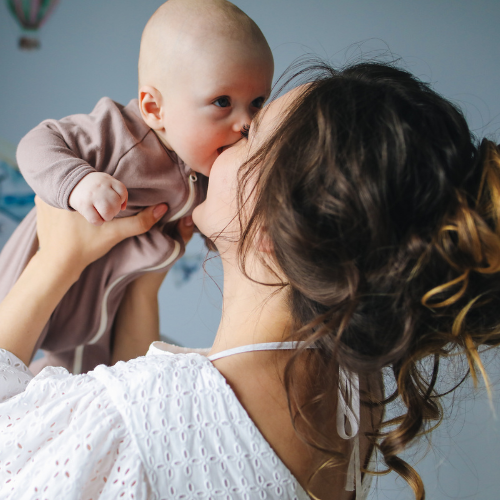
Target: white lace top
163, 426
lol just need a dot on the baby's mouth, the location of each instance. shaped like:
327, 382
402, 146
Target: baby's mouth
220, 150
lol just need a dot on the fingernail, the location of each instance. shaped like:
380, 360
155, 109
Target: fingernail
188, 221
159, 210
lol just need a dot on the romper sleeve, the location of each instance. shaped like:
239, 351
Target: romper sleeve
55, 155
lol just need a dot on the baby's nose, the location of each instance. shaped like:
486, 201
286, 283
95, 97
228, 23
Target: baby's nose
242, 120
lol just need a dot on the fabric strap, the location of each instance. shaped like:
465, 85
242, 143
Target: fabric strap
267, 346
348, 406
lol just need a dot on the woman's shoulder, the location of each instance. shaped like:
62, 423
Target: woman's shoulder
162, 372
189, 425
162, 387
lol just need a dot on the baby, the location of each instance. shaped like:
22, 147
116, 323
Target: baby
205, 69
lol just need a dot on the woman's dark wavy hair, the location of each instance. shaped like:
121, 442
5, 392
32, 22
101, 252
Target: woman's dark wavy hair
382, 212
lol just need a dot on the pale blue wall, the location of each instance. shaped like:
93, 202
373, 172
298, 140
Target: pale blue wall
90, 48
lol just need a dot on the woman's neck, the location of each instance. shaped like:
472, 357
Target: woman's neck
251, 312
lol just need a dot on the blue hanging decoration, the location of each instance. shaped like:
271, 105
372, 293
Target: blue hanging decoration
31, 15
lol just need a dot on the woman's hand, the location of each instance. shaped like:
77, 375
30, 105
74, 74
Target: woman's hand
68, 243
67, 239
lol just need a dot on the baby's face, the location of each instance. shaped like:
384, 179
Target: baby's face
210, 100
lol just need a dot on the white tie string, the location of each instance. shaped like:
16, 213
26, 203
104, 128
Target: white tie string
348, 407
348, 411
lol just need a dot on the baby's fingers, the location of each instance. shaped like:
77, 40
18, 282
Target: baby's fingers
109, 204
121, 191
92, 215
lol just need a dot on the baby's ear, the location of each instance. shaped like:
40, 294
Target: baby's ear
150, 102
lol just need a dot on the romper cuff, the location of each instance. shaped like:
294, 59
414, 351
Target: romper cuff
70, 182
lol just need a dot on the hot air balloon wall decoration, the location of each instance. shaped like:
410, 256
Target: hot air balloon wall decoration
31, 16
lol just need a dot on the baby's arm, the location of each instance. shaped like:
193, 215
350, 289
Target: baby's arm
137, 322
57, 156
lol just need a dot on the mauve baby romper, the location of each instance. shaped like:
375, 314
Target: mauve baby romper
53, 158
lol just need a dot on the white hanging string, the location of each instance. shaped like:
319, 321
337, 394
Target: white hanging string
348, 407
348, 412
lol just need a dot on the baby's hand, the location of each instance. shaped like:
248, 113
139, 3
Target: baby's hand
99, 197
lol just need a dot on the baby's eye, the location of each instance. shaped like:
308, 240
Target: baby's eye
258, 103
222, 102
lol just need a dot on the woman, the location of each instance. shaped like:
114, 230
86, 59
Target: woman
357, 225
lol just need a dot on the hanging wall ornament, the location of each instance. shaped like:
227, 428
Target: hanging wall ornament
31, 15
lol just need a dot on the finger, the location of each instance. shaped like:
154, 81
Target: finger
121, 191
138, 224
108, 209
92, 215
186, 228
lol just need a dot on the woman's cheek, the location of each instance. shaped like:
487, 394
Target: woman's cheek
220, 205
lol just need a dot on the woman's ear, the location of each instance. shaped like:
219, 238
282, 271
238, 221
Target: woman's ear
265, 245
150, 105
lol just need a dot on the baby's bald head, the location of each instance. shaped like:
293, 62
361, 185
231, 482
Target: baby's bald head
205, 69
181, 30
